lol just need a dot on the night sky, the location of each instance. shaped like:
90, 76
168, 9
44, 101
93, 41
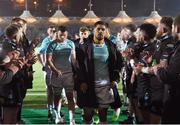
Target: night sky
102, 8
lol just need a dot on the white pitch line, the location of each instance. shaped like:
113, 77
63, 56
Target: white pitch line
34, 94
38, 94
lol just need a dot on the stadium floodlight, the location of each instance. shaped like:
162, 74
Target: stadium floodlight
26, 15
122, 18
154, 17
90, 17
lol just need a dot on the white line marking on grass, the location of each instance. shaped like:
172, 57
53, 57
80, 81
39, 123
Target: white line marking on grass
35, 94
40, 94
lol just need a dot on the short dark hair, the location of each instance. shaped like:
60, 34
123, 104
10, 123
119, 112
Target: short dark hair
83, 29
100, 23
168, 21
62, 28
17, 19
12, 29
51, 26
131, 27
177, 21
149, 29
